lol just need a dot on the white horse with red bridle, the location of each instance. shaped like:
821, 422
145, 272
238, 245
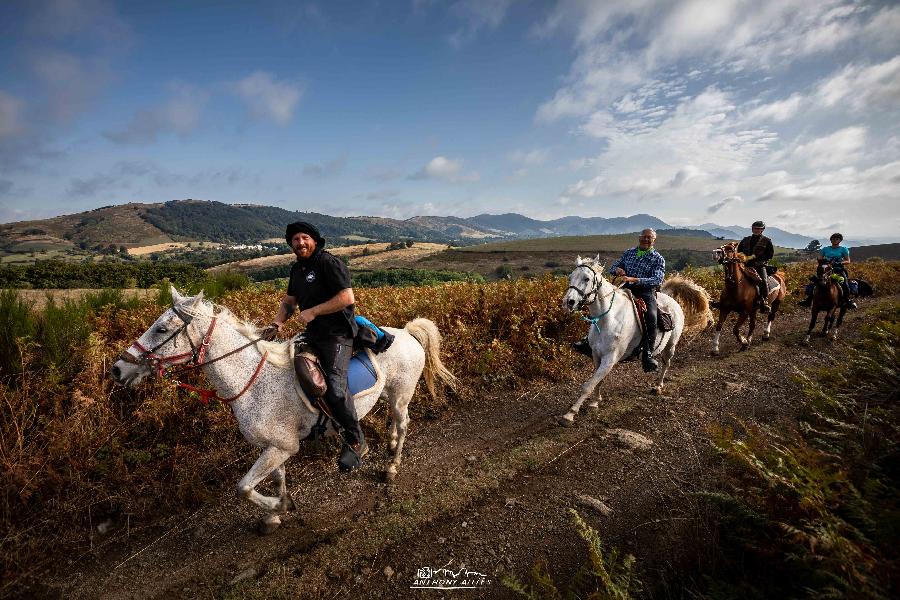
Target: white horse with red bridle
256, 378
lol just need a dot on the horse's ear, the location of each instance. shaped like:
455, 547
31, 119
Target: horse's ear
578, 261
198, 298
597, 258
176, 297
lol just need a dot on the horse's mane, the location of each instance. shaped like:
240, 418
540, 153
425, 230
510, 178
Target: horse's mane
280, 354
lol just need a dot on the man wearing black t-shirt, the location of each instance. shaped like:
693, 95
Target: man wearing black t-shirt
320, 287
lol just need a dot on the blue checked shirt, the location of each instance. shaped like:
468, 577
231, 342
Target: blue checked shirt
650, 269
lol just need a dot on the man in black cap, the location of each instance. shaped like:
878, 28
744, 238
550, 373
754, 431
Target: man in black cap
320, 286
759, 250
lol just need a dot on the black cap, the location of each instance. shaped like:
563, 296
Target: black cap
758, 224
303, 227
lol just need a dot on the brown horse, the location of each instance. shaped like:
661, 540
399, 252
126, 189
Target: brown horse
739, 295
826, 297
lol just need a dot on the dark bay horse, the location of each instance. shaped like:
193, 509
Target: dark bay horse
739, 295
826, 297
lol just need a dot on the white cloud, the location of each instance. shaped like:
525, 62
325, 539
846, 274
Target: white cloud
841, 148
268, 98
720, 204
329, 168
531, 158
179, 114
446, 169
863, 87
477, 15
780, 110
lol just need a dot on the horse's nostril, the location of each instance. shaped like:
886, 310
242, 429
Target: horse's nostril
116, 372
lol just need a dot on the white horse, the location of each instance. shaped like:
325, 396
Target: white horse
259, 383
615, 332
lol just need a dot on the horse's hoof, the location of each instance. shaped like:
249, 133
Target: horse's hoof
765, 338
268, 525
743, 347
713, 352
390, 474
594, 406
566, 420
656, 390
287, 504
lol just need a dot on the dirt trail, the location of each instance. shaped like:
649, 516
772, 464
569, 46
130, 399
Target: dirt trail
486, 487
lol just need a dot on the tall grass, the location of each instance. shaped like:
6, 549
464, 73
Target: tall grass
16, 323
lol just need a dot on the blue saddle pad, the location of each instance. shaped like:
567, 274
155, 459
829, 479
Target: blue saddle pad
361, 374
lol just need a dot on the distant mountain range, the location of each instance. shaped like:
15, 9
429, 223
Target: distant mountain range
133, 225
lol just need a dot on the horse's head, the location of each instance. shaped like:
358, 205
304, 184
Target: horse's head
824, 271
727, 253
159, 345
585, 282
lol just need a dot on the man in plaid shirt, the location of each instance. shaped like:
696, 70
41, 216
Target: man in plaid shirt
643, 270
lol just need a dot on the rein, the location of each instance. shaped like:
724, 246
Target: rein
197, 358
595, 321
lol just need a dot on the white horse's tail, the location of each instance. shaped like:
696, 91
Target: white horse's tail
428, 336
694, 301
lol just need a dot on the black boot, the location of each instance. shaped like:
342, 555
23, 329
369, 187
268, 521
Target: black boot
647, 361
583, 346
352, 455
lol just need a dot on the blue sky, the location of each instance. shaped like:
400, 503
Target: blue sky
693, 111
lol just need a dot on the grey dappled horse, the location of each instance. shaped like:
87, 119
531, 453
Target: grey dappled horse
260, 385
615, 332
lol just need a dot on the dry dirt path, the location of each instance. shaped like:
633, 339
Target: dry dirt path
486, 487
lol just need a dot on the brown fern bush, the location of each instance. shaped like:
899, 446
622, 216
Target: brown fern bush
76, 451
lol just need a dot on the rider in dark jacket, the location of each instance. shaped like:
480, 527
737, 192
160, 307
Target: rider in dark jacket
759, 250
320, 287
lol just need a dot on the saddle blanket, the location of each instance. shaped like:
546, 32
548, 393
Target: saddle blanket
362, 374
773, 284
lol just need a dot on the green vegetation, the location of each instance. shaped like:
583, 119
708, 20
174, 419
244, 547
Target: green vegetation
815, 512
62, 275
410, 277
607, 575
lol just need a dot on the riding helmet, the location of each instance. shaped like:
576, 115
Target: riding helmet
759, 224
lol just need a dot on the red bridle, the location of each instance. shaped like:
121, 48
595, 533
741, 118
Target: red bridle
197, 359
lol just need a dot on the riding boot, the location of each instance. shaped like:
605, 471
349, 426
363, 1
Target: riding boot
845, 290
583, 346
763, 290
647, 361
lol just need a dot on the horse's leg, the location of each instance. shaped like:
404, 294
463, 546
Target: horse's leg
750, 328
723, 314
270, 459
840, 319
287, 503
812, 323
399, 403
598, 396
829, 316
589, 387
737, 331
665, 360
767, 331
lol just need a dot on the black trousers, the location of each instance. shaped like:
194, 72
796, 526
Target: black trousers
648, 295
764, 281
334, 353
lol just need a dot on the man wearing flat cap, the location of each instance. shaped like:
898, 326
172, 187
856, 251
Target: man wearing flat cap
759, 251
319, 286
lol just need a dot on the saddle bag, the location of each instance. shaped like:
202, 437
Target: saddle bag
309, 370
664, 321
371, 336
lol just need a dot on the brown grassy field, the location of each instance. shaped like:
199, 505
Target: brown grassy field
38, 299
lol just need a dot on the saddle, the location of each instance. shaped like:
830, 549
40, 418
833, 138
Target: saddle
663, 319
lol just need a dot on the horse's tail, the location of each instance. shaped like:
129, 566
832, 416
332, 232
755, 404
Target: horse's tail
428, 336
694, 301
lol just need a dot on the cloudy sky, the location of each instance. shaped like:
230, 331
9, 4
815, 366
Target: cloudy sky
693, 111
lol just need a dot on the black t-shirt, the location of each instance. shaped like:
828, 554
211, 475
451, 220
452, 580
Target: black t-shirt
317, 280
759, 248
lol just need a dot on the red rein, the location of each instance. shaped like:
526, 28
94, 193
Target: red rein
159, 362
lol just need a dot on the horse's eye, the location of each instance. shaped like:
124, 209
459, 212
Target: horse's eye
162, 329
